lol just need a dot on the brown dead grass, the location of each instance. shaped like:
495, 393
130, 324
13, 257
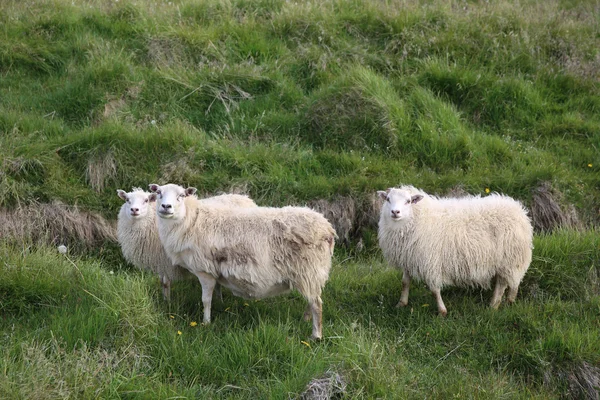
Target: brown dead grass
581, 379
180, 171
112, 107
341, 213
330, 386
165, 52
584, 381
370, 211
549, 210
54, 224
101, 170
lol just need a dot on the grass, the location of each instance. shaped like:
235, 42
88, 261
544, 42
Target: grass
295, 102
129, 339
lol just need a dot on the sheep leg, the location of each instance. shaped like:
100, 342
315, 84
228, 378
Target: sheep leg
405, 287
166, 288
316, 307
498, 293
208, 283
512, 293
440, 303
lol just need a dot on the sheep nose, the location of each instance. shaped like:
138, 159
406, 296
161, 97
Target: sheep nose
395, 213
135, 210
166, 206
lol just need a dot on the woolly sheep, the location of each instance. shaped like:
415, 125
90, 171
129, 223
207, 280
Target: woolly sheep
455, 241
137, 234
257, 253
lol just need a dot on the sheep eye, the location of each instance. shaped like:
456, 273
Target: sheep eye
407, 201
145, 201
388, 200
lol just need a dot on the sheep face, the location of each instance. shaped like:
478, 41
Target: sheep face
138, 202
398, 204
170, 204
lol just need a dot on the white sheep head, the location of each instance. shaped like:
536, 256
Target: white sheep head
398, 203
138, 202
170, 204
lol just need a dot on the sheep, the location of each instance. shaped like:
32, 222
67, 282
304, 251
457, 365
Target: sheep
138, 235
455, 241
257, 253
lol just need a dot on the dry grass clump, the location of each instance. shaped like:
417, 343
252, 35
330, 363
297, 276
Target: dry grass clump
547, 213
112, 107
49, 370
370, 211
100, 170
54, 224
165, 52
331, 386
342, 213
582, 379
180, 170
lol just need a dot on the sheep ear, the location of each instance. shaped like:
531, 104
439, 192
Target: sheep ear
382, 194
152, 197
190, 191
416, 198
153, 187
122, 194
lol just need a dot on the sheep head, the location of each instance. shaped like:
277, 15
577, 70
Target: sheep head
138, 202
398, 203
170, 204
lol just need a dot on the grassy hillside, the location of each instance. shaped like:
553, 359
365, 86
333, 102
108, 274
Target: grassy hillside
318, 103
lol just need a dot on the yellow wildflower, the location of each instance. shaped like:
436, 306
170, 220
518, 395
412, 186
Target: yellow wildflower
590, 165
246, 304
171, 316
305, 343
193, 323
179, 332
487, 190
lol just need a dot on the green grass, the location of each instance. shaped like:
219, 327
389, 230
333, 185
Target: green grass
128, 337
294, 102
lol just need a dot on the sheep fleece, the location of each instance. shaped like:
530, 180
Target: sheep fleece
264, 251
460, 241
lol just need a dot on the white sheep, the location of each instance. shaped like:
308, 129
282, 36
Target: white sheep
137, 234
257, 253
462, 242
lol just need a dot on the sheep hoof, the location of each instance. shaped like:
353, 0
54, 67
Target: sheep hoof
401, 304
316, 338
443, 313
